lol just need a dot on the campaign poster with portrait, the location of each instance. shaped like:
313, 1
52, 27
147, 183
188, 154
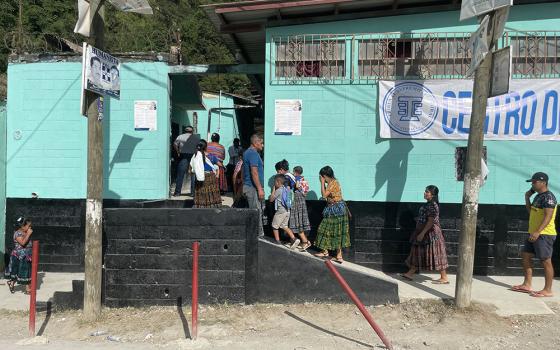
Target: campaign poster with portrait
101, 72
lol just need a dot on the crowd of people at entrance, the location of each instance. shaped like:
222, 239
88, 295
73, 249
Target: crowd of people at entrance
244, 176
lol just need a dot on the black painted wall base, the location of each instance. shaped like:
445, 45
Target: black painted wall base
379, 232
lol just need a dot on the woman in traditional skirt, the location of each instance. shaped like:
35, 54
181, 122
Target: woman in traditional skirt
206, 190
219, 151
428, 245
19, 269
334, 230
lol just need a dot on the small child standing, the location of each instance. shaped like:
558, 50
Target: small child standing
299, 219
280, 196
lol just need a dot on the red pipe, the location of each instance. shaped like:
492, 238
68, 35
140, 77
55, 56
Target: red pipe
33, 294
194, 303
359, 304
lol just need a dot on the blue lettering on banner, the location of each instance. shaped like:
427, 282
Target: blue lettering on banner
513, 113
553, 114
448, 97
529, 95
531, 111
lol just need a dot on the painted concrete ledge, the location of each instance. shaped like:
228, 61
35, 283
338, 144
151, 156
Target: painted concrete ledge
289, 276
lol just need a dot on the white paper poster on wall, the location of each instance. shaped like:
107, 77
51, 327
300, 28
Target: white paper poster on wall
287, 117
441, 109
145, 115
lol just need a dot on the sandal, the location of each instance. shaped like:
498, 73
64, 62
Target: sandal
404, 276
11, 286
322, 255
521, 289
338, 260
304, 246
440, 282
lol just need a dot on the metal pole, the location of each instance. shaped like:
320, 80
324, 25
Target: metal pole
359, 304
20, 27
94, 202
194, 303
473, 178
33, 294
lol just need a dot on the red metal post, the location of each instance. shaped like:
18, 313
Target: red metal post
359, 304
33, 294
194, 303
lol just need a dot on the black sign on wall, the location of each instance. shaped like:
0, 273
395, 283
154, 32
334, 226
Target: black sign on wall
461, 161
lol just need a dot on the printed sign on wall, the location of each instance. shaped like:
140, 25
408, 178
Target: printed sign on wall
145, 115
287, 117
441, 109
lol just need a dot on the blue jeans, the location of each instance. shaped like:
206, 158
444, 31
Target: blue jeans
182, 167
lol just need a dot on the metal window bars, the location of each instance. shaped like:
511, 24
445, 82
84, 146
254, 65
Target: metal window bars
323, 58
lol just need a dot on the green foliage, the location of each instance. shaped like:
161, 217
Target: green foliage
126, 32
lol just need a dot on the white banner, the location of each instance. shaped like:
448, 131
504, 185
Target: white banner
101, 72
441, 109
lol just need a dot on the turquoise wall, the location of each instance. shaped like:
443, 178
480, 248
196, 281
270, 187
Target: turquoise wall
2, 181
49, 156
340, 127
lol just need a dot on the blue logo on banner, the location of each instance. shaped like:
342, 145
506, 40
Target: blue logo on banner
410, 108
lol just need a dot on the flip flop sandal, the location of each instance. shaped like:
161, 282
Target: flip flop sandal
305, 246
321, 255
11, 286
520, 289
338, 260
403, 276
440, 282
540, 295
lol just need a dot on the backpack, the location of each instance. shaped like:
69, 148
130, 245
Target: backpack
286, 198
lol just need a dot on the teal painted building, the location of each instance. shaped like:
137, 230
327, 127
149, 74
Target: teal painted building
340, 123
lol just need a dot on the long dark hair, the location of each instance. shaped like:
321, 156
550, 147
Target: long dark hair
201, 147
435, 192
282, 165
327, 171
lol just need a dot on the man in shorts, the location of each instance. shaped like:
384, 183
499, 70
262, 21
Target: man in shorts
542, 234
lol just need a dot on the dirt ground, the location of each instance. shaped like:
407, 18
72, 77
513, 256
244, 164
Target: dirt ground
416, 324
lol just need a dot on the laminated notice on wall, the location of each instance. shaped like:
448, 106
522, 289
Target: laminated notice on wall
145, 115
287, 117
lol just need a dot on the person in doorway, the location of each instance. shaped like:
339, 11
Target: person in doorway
203, 165
218, 151
334, 230
542, 234
237, 178
184, 146
280, 196
233, 152
253, 178
299, 219
19, 268
428, 245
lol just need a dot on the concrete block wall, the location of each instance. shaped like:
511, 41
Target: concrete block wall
380, 234
47, 136
340, 124
59, 227
148, 260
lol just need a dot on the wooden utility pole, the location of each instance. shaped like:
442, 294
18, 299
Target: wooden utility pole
473, 178
94, 202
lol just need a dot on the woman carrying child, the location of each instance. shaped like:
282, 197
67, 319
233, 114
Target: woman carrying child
334, 230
